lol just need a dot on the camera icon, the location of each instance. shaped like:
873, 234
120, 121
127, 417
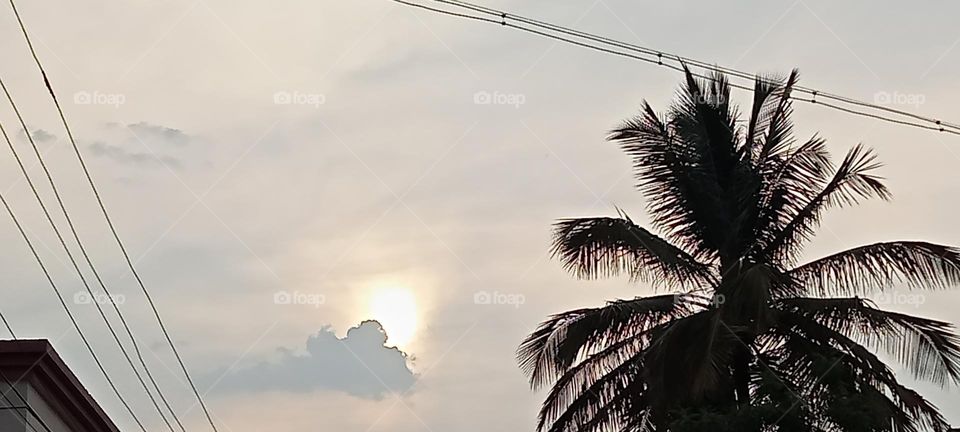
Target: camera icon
482, 298
282, 98
82, 98
82, 298
883, 298
882, 98
282, 298
482, 98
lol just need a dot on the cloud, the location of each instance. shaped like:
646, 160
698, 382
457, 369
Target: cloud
153, 144
42, 136
119, 154
359, 364
148, 131
39, 136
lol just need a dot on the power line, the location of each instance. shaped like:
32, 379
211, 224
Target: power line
7, 325
560, 38
63, 302
730, 71
662, 58
109, 221
86, 256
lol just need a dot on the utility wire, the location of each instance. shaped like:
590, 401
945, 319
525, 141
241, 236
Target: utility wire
658, 62
109, 221
729, 71
86, 256
63, 302
7, 325
661, 58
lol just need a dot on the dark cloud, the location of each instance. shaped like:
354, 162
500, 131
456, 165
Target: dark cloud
358, 364
152, 143
148, 131
42, 136
120, 154
39, 136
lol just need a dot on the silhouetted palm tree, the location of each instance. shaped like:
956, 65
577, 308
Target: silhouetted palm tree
753, 341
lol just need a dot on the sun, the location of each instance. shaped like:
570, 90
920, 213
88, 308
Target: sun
396, 310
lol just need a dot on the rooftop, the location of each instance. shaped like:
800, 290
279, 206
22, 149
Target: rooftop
45, 391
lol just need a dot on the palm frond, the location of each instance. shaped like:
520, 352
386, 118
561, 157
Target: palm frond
688, 361
580, 387
666, 170
809, 348
765, 99
928, 348
595, 405
562, 339
603, 246
704, 118
819, 358
787, 185
919, 408
774, 122
690, 164
853, 180
871, 268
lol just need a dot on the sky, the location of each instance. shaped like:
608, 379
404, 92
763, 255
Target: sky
284, 173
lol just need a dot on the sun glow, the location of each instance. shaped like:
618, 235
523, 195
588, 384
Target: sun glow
396, 310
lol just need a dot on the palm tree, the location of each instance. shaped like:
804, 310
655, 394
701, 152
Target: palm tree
748, 338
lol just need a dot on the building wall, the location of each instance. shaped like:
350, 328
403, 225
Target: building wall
13, 410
